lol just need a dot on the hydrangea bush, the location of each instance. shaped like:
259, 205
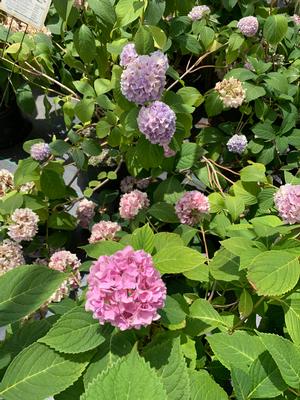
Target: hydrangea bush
175, 273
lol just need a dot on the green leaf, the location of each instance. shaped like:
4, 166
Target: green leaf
172, 313
102, 86
28, 170
163, 212
274, 272
286, 356
53, 184
143, 40
225, 266
62, 221
39, 372
239, 350
59, 147
241, 383
191, 96
159, 36
266, 381
105, 248
203, 387
201, 309
76, 332
188, 156
166, 239
168, 360
291, 306
128, 11
245, 304
10, 202
275, 28
154, 12
169, 191
177, 259
253, 92
235, 206
85, 44
143, 238
129, 378
254, 173
24, 289
213, 104
104, 11
84, 110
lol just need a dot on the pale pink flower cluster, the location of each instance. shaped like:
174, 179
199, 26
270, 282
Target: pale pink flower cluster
192, 207
24, 226
296, 19
104, 230
11, 256
85, 212
231, 92
61, 261
132, 203
125, 290
27, 187
198, 12
40, 151
287, 202
248, 26
6, 181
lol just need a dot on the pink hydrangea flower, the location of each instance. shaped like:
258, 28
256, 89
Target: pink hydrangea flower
85, 212
104, 230
198, 12
40, 151
287, 202
125, 290
296, 19
132, 203
25, 225
11, 256
61, 260
6, 181
248, 26
191, 208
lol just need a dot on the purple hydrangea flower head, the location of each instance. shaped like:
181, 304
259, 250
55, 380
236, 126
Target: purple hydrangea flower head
287, 202
237, 144
40, 151
144, 79
248, 26
161, 60
125, 290
132, 203
157, 122
191, 208
128, 54
198, 12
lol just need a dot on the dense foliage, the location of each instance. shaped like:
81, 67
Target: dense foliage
183, 126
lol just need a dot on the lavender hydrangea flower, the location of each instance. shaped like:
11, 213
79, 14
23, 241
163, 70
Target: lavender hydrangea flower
237, 144
157, 122
40, 151
248, 26
287, 202
198, 12
128, 54
144, 78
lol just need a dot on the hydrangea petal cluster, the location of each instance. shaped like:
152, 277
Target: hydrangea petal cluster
104, 230
6, 181
128, 54
231, 92
85, 212
132, 203
125, 290
143, 184
237, 144
11, 256
296, 19
25, 225
27, 187
248, 26
191, 208
157, 122
144, 78
127, 184
40, 151
198, 12
287, 202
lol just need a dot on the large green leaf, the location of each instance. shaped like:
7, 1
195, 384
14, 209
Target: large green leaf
177, 259
53, 184
163, 212
104, 248
225, 266
39, 372
241, 383
275, 28
143, 238
203, 387
201, 309
129, 378
76, 332
291, 306
286, 356
168, 360
24, 289
239, 350
128, 11
84, 42
104, 11
274, 272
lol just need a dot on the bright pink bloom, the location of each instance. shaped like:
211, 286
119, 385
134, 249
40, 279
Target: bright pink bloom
191, 208
125, 290
104, 230
287, 202
132, 203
